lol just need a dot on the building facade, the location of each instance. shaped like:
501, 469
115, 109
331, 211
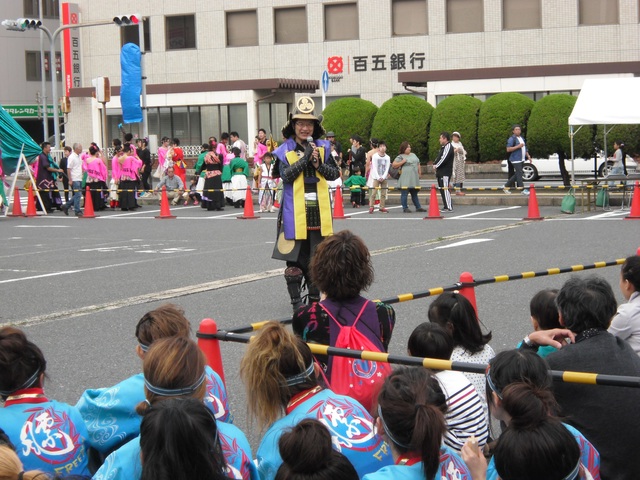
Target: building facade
214, 66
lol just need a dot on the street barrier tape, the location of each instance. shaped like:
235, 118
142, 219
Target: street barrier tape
584, 378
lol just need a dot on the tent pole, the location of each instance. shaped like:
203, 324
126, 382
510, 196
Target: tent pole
573, 173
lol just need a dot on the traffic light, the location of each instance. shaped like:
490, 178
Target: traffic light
21, 24
26, 23
127, 20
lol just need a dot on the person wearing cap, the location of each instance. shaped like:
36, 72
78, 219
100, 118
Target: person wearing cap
305, 165
336, 144
459, 157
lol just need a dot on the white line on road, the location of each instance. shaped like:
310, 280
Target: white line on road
484, 211
42, 226
469, 241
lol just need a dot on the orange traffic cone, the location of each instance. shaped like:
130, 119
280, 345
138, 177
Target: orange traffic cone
248, 207
17, 208
31, 204
635, 204
165, 211
534, 211
434, 210
210, 345
88, 205
338, 208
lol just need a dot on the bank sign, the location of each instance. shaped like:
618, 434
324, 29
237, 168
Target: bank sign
337, 66
27, 111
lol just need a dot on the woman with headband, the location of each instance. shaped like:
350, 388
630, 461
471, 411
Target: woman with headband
48, 435
109, 413
280, 376
175, 368
411, 408
519, 394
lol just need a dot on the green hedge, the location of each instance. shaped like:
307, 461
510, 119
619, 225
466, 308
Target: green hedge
629, 134
347, 117
456, 113
495, 123
548, 128
404, 118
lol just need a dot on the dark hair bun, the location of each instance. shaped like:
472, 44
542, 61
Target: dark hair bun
306, 448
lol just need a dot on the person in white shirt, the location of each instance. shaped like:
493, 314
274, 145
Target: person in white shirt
237, 143
380, 163
74, 172
626, 322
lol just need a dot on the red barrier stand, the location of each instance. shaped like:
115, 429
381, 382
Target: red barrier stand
248, 207
534, 211
468, 292
211, 346
338, 208
17, 208
165, 211
88, 205
31, 204
635, 204
434, 209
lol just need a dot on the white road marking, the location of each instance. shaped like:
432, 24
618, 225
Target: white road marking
42, 226
484, 211
470, 241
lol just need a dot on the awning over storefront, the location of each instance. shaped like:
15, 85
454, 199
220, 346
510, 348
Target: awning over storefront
280, 85
422, 78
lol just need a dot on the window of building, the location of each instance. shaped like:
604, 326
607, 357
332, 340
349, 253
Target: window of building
341, 21
50, 8
180, 32
129, 34
521, 14
290, 25
242, 28
465, 16
33, 67
598, 12
409, 17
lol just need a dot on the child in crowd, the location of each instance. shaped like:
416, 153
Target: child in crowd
337, 183
192, 194
266, 183
544, 315
355, 182
465, 417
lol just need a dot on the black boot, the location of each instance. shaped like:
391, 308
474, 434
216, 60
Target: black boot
293, 277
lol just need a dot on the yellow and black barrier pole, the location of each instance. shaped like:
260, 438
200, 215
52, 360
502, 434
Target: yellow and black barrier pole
437, 364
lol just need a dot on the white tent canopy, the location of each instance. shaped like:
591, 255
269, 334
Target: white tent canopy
607, 101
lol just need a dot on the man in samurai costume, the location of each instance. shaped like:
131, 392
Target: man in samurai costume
304, 164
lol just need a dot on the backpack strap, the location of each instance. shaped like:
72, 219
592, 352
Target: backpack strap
340, 325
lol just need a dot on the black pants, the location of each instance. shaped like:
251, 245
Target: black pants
146, 178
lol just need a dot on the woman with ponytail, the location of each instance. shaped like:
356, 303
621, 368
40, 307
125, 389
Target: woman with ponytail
319, 461
174, 368
48, 435
109, 413
534, 444
411, 408
280, 376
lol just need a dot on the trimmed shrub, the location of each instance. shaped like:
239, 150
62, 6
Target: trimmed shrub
497, 116
347, 117
548, 128
404, 118
456, 113
629, 134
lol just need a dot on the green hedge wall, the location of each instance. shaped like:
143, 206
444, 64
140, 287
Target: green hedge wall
404, 118
548, 128
456, 113
347, 117
495, 123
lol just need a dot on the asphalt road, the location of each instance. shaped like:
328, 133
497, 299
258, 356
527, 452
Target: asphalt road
78, 287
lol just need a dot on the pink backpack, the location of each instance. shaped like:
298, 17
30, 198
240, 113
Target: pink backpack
358, 379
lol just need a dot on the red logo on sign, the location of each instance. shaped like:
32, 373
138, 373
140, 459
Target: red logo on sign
335, 65
74, 18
